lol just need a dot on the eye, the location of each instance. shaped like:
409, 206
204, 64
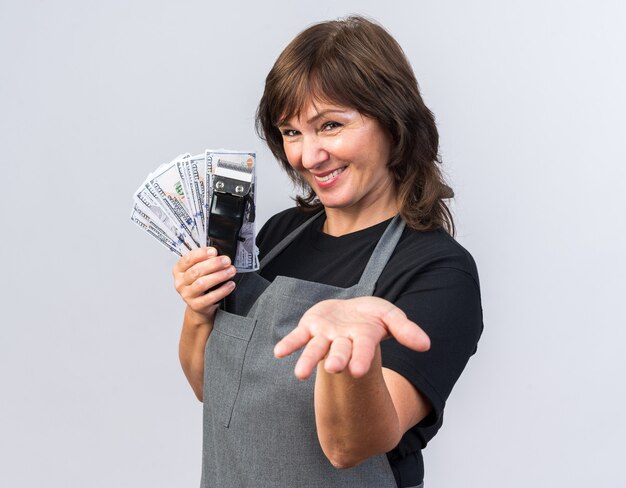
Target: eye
329, 126
289, 132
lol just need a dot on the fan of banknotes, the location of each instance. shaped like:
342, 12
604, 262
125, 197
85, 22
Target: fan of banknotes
176, 203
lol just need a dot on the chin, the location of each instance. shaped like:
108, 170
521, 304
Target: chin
333, 203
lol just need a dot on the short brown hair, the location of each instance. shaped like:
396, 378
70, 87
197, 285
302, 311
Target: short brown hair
358, 64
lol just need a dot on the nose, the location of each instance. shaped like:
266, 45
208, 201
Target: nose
313, 152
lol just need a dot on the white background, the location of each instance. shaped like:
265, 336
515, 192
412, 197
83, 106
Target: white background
529, 98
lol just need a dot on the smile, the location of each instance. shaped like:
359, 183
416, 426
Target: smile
329, 176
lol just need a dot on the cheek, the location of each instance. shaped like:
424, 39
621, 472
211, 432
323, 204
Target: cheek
293, 155
341, 148
381, 153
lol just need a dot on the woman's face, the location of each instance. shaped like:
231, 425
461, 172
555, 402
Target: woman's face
343, 155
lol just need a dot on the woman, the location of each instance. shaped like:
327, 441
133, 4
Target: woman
345, 277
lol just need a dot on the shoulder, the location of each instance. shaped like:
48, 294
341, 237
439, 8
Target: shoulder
430, 275
419, 252
434, 280
278, 226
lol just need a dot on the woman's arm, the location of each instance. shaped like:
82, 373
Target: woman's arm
195, 332
361, 408
361, 417
195, 273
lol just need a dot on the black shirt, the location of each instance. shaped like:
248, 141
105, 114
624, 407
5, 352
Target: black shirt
431, 277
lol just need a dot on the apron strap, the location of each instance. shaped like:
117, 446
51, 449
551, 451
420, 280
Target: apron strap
278, 248
383, 251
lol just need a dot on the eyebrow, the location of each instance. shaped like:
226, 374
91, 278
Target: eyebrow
317, 116
321, 114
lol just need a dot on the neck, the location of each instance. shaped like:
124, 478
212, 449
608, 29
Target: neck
340, 222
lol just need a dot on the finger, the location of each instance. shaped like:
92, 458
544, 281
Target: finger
293, 341
205, 267
312, 354
203, 303
363, 351
193, 257
207, 282
405, 331
338, 355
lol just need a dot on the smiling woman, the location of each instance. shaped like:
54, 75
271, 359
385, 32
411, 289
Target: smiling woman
346, 277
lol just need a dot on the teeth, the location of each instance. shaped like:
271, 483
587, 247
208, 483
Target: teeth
329, 176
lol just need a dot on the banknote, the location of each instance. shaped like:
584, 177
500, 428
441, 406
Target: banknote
155, 230
184, 175
167, 188
195, 174
173, 205
144, 201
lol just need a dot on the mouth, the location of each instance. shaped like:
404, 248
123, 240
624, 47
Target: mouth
329, 176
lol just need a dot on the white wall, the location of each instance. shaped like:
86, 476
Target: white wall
529, 98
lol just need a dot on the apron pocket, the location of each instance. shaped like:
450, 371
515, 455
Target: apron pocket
223, 363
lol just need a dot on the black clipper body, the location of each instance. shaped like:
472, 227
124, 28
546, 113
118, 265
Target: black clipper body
227, 210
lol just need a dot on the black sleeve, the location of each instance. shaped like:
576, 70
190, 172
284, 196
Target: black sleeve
445, 302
